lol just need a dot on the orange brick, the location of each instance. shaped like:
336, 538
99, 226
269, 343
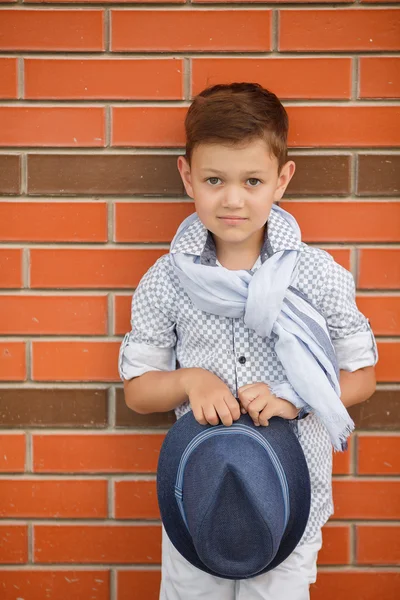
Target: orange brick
113, 1
356, 585
14, 544
73, 30
136, 500
92, 453
55, 584
122, 314
136, 585
51, 126
341, 460
12, 361
379, 77
341, 222
377, 544
149, 221
10, 268
53, 221
75, 361
378, 455
272, 1
343, 125
336, 545
207, 30
287, 77
8, 78
379, 268
12, 455
104, 78
60, 499
34, 315
341, 256
339, 29
387, 368
90, 268
148, 126
383, 313
97, 544
363, 499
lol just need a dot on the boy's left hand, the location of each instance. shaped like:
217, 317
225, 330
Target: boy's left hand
257, 400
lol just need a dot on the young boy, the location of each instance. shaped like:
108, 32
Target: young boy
181, 357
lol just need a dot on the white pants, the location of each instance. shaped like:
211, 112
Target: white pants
288, 581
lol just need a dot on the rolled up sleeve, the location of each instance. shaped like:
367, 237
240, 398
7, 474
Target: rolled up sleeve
350, 330
150, 345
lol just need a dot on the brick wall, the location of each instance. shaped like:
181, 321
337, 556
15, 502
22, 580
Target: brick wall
91, 111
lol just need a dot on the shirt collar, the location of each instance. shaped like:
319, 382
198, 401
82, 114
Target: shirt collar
198, 241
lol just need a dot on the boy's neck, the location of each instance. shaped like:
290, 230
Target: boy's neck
239, 256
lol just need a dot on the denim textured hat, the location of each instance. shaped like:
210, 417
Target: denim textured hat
235, 500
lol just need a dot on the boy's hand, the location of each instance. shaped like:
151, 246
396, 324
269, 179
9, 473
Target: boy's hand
257, 400
210, 398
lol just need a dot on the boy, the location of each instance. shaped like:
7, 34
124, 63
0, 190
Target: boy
182, 357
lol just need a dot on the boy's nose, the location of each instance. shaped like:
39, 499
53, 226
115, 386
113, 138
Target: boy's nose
233, 198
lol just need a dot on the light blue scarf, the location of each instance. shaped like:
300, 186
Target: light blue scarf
269, 305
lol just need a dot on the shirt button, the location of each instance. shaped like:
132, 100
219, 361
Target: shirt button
242, 360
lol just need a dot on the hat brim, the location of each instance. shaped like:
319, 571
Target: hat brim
281, 436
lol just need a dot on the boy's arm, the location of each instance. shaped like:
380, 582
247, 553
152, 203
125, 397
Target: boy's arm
156, 391
357, 386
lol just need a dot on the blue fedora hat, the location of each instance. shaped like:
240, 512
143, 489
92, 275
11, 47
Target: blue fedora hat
235, 500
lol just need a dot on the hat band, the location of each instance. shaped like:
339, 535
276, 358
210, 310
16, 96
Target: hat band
223, 430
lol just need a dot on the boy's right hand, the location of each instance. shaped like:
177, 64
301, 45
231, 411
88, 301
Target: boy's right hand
210, 398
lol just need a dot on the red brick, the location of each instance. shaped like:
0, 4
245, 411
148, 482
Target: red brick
34, 315
377, 544
342, 460
116, 1
58, 499
96, 269
273, 1
356, 585
97, 544
149, 221
12, 455
51, 126
157, 30
73, 30
148, 126
349, 126
12, 361
51, 221
288, 77
75, 361
136, 585
8, 78
55, 584
379, 268
94, 453
366, 499
378, 455
341, 256
383, 313
336, 545
14, 544
387, 368
10, 268
341, 222
379, 77
122, 314
338, 29
136, 500
104, 78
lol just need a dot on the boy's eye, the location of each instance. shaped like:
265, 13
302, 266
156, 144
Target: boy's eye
213, 180
253, 182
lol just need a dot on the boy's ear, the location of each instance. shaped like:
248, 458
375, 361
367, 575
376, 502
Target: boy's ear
285, 176
185, 173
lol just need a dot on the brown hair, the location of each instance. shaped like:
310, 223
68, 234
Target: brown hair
235, 113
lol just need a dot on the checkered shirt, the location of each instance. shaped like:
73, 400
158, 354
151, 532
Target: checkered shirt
169, 332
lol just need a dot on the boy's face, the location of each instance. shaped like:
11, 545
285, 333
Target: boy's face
233, 188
